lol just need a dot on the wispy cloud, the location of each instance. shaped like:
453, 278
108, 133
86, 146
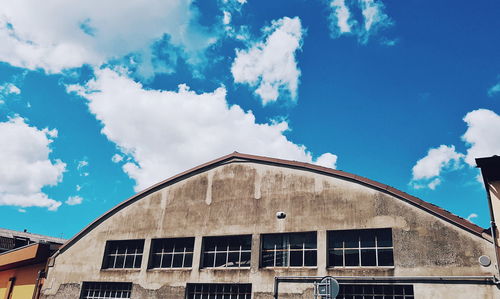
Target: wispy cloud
373, 19
74, 200
494, 90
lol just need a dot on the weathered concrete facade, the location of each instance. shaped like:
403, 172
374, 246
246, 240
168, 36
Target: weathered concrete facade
239, 196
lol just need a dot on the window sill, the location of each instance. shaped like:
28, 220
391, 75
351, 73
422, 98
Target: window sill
360, 267
169, 269
121, 269
225, 268
290, 268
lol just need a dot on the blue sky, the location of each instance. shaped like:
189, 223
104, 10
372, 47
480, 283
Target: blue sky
102, 101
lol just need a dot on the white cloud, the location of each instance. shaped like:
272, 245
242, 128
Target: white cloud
26, 166
373, 19
188, 128
270, 66
22, 210
226, 19
472, 216
482, 135
78, 188
94, 31
340, 18
427, 170
8, 89
82, 164
494, 90
327, 160
116, 158
74, 200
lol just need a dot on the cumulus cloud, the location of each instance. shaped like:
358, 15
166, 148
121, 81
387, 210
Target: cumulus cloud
166, 132
327, 160
482, 135
494, 90
270, 65
93, 31
482, 139
427, 170
26, 166
343, 22
74, 200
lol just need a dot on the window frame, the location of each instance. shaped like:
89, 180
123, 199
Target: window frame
403, 291
360, 248
89, 284
246, 294
173, 253
107, 255
303, 249
227, 251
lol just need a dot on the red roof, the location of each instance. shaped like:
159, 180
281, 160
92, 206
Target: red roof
433, 209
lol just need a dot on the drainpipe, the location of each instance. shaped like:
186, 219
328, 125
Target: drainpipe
490, 170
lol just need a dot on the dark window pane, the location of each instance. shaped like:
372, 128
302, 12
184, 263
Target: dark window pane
408, 290
111, 262
233, 259
155, 261
385, 257
120, 261
208, 260
188, 260
272, 241
138, 261
220, 259
167, 261
245, 259
281, 258
335, 258
177, 260
368, 257
267, 259
351, 257
351, 240
398, 290
384, 237
129, 261
367, 238
296, 258
310, 258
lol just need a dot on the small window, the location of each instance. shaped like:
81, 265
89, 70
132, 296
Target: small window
218, 290
349, 291
360, 248
125, 254
104, 290
172, 253
227, 251
289, 250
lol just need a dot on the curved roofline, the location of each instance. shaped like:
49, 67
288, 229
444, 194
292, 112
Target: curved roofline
433, 209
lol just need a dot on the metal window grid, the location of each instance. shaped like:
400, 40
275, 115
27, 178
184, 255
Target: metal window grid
175, 251
287, 251
372, 291
132, 249
227, 251
360, 250
219, 291
105, 290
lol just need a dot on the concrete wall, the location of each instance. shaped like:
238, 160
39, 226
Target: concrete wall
243, 198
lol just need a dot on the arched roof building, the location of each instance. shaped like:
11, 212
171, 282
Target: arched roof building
213, 232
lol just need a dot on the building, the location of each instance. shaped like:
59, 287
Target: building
23, 258
228, 228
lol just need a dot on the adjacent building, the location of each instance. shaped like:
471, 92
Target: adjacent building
23, 258
235, 226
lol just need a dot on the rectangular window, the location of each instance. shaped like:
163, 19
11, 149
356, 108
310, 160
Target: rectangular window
125, 254
289, 250
171, 253
227, 251
218, 290
375, 291
360, 248
105, 290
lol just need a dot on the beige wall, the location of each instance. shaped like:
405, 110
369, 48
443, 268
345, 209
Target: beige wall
243, 198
